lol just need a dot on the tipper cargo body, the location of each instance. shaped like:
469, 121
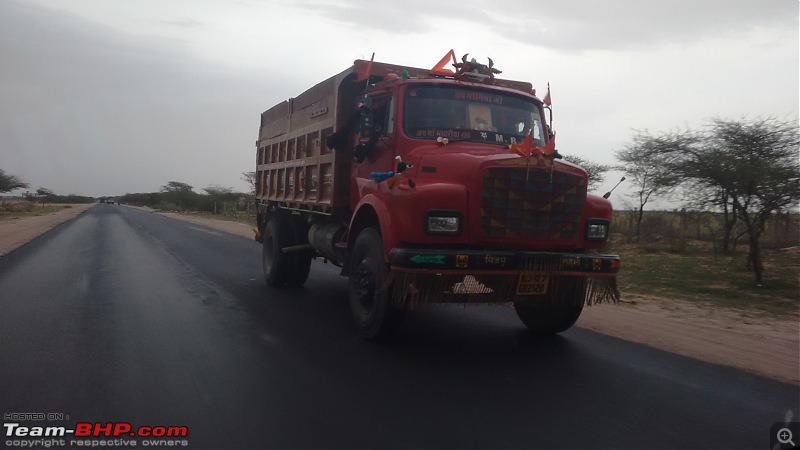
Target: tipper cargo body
430, 186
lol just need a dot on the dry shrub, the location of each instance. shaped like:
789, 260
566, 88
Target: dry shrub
20, 206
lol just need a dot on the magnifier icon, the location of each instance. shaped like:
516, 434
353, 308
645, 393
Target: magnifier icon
785, 436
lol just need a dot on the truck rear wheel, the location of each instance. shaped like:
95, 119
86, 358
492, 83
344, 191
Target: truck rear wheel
370, 302
300, 262
557, 312
284, 269
275, 262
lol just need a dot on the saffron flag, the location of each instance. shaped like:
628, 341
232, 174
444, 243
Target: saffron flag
527, 148
549, 148
546, 100
364, 75
524, 148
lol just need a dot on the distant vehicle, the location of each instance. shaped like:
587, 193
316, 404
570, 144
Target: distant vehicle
430, 186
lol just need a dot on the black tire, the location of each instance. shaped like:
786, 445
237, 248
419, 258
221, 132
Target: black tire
557, 311
284, 269
370, 305
276, 264
300, 262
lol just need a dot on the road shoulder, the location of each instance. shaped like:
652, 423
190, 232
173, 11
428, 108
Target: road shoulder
15, 233
750, 340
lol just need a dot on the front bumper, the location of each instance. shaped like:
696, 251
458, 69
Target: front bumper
485, 261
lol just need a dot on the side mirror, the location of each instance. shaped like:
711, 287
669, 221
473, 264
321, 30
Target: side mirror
608, 194
365, 122
366, 129
360, 121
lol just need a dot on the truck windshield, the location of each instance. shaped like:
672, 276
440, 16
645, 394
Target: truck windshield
470, 115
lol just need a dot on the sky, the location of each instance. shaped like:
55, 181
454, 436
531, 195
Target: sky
107, 97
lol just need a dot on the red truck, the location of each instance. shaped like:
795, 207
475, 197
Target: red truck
430, 186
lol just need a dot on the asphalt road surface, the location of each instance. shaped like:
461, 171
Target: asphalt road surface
126, 316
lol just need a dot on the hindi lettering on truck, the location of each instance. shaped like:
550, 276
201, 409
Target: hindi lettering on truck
430, 186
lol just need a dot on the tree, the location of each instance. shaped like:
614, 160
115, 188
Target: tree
219, 191
715, 198
250, 179
647, 166
753, 165
218, 195
44, 194
179, 194
176, 186
595, 171
10, 182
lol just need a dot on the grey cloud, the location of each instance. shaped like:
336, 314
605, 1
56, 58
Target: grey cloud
182, 23
90, 110
364, 18
629, 24
398, 18
573, 25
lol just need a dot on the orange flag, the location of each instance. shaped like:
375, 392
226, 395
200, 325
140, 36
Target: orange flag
524, 148
361, 76
546, 100
527, 148
549, 148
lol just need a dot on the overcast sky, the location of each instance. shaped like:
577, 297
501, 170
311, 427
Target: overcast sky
104, 97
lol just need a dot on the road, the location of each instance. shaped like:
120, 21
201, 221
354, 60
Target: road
124, 315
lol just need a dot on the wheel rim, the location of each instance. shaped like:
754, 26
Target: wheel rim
365, 285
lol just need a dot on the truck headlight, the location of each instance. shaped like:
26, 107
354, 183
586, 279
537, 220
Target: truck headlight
596, 230
443, 222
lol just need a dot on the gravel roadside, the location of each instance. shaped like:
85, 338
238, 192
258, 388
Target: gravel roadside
15, 233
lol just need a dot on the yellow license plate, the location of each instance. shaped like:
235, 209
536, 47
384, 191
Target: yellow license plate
532, 283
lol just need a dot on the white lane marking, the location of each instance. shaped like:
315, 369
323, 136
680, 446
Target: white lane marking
207, 231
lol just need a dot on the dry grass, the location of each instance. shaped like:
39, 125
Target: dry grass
20, 209
701, 275
241, 217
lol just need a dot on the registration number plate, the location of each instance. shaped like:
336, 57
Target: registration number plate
532, 283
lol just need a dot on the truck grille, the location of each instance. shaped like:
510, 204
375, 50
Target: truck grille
539, 207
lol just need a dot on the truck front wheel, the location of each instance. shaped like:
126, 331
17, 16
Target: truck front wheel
555, 313
370, 302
